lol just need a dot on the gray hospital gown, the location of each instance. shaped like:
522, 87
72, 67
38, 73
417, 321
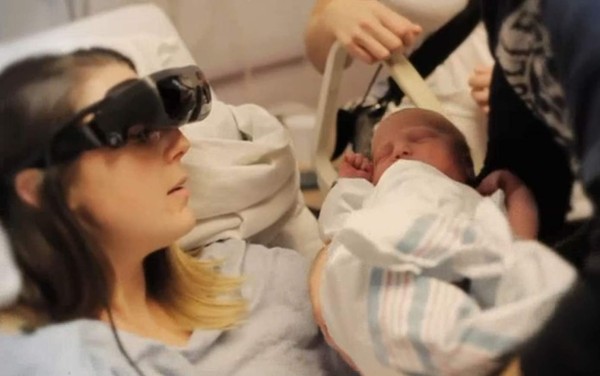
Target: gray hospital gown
279, 336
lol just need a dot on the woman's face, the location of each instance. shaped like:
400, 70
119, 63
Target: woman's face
130, 197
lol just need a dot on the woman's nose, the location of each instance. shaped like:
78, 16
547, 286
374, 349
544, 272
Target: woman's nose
177, 145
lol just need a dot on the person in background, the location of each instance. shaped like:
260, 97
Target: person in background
545, 120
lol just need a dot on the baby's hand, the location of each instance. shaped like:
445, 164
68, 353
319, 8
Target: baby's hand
480, 82
355, 165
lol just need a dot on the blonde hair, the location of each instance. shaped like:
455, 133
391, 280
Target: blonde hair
198, 295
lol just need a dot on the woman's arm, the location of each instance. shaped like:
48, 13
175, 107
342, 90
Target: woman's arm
369, 30
520, 204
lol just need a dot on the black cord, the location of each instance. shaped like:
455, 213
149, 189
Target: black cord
370, 86
122, 350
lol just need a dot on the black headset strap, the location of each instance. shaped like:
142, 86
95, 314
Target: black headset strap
440, 45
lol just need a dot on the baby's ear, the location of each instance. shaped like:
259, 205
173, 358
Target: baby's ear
469, 170
27, 185
471, 179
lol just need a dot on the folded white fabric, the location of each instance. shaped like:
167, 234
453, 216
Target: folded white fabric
391, 290
245, 181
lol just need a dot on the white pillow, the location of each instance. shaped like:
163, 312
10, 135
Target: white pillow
142, 33
10, 278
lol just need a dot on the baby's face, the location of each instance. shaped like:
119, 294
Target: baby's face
415, 135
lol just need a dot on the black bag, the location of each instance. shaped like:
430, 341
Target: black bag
354, 123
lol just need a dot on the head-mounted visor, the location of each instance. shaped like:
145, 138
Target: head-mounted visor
165, 99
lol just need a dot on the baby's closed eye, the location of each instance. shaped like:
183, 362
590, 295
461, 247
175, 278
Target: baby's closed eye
422, 134
382, 152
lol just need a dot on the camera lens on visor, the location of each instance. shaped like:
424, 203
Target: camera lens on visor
204, 105
185, 93
179, 100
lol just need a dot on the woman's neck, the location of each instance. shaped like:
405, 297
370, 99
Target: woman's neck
133, 310
129, 293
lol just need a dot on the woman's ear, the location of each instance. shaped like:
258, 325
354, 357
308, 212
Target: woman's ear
27, 185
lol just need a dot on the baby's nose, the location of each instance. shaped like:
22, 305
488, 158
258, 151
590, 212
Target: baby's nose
402, 151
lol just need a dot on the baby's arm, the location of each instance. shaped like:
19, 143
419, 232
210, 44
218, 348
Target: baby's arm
355, 165
520, 203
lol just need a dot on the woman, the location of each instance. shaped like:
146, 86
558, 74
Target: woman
93, 198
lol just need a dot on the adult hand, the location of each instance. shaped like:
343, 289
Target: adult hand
369, 30
480, 82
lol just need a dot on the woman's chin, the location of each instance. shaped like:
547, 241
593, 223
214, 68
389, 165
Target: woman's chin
178, 228
188, 222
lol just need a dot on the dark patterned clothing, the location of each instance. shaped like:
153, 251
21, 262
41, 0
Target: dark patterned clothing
519, 138
545, 123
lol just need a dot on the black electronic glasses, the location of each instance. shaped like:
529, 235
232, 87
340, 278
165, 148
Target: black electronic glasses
164, 100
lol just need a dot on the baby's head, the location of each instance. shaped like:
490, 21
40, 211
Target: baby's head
421, 135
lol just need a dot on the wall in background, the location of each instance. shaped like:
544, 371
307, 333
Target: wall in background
252, 51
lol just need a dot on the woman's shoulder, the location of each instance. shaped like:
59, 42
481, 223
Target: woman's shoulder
56, 349
240, 257
280, 318
271, 274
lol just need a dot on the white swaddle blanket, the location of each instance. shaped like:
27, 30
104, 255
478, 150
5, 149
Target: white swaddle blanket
389, 293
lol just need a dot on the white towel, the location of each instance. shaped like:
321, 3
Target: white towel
245, 181
389, 292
